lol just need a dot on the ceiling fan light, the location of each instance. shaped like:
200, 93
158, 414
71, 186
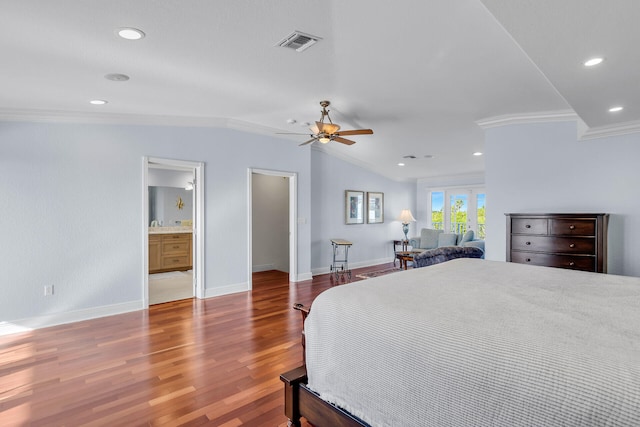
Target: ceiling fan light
330, 128
324, 139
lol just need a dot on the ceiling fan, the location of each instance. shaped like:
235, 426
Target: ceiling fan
326, 132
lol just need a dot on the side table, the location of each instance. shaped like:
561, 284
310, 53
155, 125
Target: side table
405, 257
396, 243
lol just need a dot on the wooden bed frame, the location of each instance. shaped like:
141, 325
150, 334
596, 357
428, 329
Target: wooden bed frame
300, 401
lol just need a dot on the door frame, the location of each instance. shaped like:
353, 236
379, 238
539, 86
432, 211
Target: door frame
293, 223
198, 220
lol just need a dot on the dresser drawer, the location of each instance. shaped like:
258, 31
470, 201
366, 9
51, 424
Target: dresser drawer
175, 261
177, 237
571, 245
180, 247
584, 263
529, 226
578, 227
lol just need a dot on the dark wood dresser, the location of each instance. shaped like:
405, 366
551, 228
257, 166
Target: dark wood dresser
576, 241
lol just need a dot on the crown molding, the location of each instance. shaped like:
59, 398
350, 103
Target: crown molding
241, 125
524, 118
585, 132
59, 116
47, 116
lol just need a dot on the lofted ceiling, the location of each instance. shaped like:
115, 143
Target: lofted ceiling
424, 75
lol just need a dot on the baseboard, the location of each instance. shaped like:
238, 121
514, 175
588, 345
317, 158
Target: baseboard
226, 290
352, 265
53, 319
304, 276
263, 267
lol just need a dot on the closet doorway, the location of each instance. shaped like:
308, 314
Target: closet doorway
172, 243
272, 222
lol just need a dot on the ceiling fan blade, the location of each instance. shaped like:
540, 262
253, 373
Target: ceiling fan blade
314, 129
307, 142
291, 133
356, 132
343, 140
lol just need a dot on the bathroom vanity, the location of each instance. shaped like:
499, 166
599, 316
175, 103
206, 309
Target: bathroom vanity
170, 249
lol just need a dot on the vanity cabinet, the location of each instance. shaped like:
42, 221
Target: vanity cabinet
574, 241
155, 252
170, 252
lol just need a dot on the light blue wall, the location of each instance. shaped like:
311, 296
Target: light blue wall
62, 186
71, 212
330, 177
544, 168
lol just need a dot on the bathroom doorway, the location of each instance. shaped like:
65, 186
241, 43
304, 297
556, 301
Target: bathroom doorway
173, 244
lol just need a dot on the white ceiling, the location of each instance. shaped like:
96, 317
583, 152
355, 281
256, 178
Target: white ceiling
421, 74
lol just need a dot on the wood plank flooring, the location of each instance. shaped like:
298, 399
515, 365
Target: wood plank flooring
185, 363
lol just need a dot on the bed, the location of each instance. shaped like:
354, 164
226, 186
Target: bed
472, 342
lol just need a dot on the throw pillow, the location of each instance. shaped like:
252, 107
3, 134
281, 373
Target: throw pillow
447, 239
468, 236
429, 238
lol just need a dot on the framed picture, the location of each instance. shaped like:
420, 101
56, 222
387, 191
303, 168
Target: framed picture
375, 208
354, 207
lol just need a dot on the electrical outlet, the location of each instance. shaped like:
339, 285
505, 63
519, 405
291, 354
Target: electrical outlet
48, 290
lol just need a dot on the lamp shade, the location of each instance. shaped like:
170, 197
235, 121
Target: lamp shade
405, 216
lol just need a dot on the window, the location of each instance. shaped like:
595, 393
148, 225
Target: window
458, 210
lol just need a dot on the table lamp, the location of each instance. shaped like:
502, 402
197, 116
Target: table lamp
405, 217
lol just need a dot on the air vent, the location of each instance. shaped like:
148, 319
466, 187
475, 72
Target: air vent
298, 41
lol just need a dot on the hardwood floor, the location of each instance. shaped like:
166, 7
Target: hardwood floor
185, 363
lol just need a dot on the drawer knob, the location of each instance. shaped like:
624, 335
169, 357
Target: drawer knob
175, 246
527, 226
528, 243
572, 263
572, 227
573, 245
528, 260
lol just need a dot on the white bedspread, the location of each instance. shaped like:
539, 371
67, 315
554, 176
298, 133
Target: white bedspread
480, 343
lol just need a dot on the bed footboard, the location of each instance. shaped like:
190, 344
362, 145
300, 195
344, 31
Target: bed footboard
299, 401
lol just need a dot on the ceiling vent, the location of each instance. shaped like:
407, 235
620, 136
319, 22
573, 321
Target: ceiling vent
298, 41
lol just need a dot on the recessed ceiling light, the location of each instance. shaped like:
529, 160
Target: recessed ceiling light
615, 109
130, 33
400, 164
429, 156
593, 61
292, 121
98, 102
477, 153
410, 156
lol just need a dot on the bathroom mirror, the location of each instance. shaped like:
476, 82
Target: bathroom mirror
169, 206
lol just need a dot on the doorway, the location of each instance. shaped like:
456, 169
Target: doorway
176, 190
286, 234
